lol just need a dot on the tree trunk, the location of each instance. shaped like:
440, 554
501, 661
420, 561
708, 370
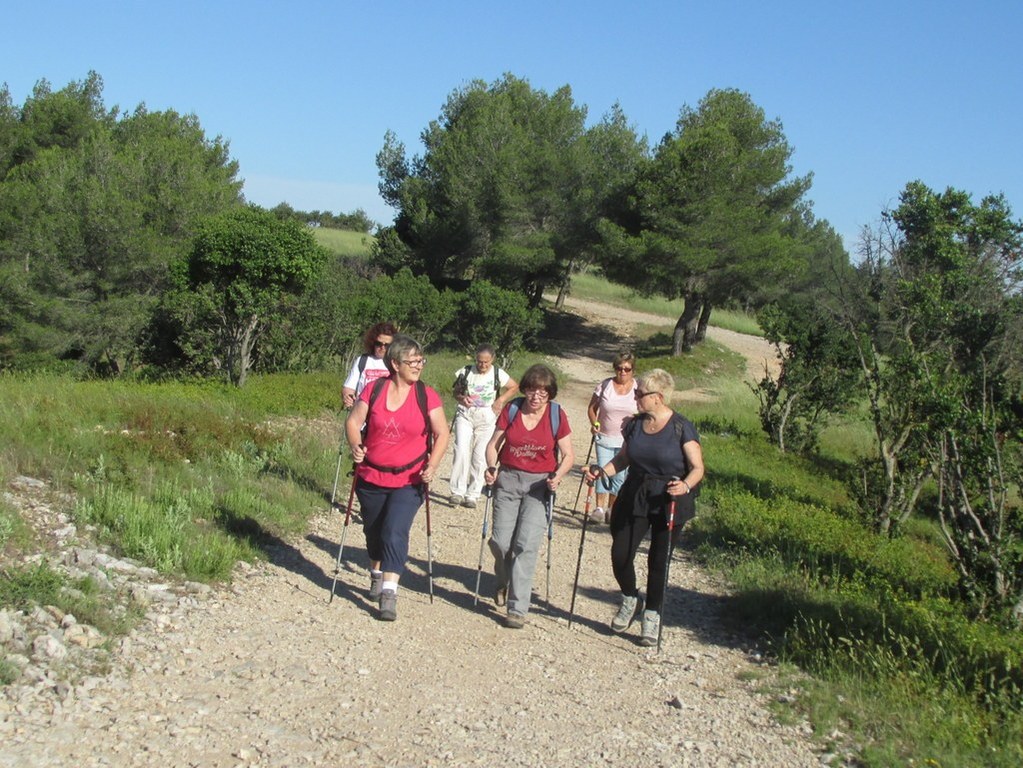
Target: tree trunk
246, 345
685, 329
562, 294
701, 326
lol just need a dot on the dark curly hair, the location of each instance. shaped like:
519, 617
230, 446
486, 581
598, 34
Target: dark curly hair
386, 329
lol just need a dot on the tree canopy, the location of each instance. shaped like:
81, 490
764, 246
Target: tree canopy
241, 265
94, 206
713, 215
507, 189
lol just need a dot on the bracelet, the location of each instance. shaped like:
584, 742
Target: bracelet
492, 470
688, 489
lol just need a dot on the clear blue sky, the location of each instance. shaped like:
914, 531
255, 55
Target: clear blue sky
871, 94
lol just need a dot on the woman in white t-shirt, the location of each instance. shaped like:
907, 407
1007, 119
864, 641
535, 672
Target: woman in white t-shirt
369, 366
612, 403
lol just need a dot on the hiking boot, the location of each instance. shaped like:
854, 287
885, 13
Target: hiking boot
388, 605
470, 503
515, 621
501, 596
376, 586
651, 627
456, 500
626, 613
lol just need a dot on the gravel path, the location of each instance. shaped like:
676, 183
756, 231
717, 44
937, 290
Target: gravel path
267, 672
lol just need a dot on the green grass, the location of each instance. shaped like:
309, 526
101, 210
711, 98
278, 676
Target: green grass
342, 242
592, 287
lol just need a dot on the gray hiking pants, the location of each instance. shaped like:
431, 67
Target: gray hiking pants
520, 520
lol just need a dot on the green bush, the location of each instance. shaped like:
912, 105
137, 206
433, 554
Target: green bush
490, 315
815, 539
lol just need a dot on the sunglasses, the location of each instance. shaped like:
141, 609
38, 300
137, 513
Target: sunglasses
624, 368
641, 395
381, 344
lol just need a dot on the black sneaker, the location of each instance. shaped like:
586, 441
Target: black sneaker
388, 605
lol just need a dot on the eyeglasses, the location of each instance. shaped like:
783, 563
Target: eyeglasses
624, 368
641, 395
539, 394
415, 363
381, 344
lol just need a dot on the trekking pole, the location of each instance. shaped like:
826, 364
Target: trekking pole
344, 533
429, 542
550, 537
667, 567
594, 469
488, 491
593, 439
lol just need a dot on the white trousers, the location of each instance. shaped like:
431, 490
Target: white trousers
473, 429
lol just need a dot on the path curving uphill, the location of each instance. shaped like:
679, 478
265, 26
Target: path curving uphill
267, 672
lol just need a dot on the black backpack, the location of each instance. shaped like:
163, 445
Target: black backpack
461, 385
677, 423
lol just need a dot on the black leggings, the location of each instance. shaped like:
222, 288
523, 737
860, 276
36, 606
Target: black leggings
627, 532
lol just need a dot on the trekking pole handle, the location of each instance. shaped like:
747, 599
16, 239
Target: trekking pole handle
488, 491
596, 471
358, 453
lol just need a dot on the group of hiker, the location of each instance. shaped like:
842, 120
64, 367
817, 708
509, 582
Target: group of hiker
513, 445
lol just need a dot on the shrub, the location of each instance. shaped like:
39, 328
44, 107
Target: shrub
490, 315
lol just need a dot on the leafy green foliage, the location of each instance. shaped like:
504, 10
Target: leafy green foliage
241, 266
712, 215
487, 314
507, 190
818, 540
818, 375
93, 209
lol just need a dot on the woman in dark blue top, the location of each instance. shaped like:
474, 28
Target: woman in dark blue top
662, 452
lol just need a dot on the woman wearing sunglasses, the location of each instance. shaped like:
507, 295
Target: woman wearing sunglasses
370, 365
662, 452
612, 402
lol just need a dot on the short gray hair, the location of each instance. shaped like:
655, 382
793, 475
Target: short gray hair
401, 347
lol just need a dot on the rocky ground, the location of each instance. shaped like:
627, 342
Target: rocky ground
271, 672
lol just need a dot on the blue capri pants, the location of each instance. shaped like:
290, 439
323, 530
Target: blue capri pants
607, 449
387, 515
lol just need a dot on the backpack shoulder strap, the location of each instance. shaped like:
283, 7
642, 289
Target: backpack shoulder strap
603, 388
362, 363
555, 414
497, 382
378, 387
513, 408
421, 399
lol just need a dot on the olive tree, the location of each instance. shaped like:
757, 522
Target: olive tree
242, 264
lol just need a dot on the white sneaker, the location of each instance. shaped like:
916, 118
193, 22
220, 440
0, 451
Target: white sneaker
651, 628
626, 613
597, 515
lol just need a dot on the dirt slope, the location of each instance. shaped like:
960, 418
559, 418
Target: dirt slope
269, 673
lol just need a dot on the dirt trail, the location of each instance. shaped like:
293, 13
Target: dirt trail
268, 673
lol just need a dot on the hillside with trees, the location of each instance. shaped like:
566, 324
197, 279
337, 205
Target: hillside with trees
863, 499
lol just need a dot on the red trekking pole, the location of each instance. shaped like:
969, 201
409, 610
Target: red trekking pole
667, 567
